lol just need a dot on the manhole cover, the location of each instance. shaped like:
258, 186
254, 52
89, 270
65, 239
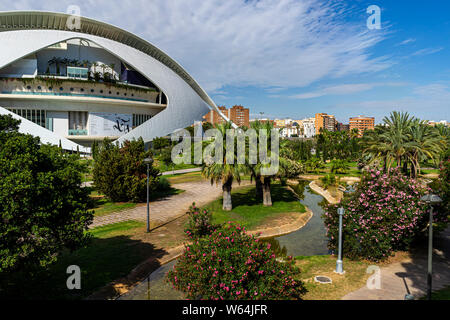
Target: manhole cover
322, 279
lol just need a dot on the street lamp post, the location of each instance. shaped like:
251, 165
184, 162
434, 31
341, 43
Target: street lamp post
148, 161
339, 262
339, 266
430, 199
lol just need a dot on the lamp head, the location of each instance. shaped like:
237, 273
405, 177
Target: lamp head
148, 160
431, 198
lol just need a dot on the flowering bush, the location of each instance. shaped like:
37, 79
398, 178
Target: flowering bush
200, 222
231, 265
444, 184
383, 215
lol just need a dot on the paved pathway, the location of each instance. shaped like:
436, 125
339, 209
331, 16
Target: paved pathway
168, 208
410, 277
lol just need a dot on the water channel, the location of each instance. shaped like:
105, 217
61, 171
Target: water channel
309, 240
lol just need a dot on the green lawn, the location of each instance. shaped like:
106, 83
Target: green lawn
164, 168
443, 294
249, 211
185, 177
428, 171
354, 278
112, 254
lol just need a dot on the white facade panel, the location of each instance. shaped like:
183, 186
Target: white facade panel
60, 122
109, 124
24, 68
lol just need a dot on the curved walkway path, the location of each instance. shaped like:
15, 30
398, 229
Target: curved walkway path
168, 208
410, 276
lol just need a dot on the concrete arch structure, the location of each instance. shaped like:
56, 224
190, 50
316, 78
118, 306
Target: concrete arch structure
25, 33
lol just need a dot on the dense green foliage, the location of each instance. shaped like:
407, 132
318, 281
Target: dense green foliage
442, 186
231, 265
43, 208
384, 215
120, 172
329, 180
8, 124
343, 145
405, 142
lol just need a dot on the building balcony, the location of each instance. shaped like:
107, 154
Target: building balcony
64, 88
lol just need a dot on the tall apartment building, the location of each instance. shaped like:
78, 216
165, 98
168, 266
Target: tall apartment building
238, 115
362, 123
325, 122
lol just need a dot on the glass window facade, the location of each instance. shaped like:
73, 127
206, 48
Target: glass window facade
38, 117
77, 72
139, 119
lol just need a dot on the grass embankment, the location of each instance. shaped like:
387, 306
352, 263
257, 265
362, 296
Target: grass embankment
113, 252
165, 168
248, 209
192, 177
443, 294
184, 177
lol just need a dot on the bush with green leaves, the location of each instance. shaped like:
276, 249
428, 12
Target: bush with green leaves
329, 180
229, 264
120, 172
339, 166
384, 215
43, 208
199, 223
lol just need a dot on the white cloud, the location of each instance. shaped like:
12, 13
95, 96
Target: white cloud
427, 51
267, 43
404, 42
344, 89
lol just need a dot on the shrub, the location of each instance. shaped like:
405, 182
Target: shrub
163, 184
199, 223
231, 265
43, 208
383, 215
339, 166
329, 180
121, 174
444, 184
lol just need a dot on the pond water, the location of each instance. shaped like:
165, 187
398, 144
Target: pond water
309, 240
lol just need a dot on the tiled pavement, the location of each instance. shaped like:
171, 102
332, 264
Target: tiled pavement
410, 277
168, 208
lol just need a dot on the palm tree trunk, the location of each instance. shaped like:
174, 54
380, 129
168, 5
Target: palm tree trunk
267, 198
259, 186
226, 188
405, 166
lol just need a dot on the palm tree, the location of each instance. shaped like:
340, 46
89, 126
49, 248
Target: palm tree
403, 141
223, 172
263, 181
425, 144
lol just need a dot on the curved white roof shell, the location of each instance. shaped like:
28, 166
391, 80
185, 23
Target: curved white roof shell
24, 33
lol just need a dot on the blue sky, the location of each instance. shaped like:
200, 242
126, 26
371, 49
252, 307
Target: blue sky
293, 58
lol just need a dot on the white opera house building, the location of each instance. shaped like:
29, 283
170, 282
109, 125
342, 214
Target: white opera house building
74, 86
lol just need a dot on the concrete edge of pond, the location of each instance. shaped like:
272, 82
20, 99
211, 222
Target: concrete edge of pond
120, 287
